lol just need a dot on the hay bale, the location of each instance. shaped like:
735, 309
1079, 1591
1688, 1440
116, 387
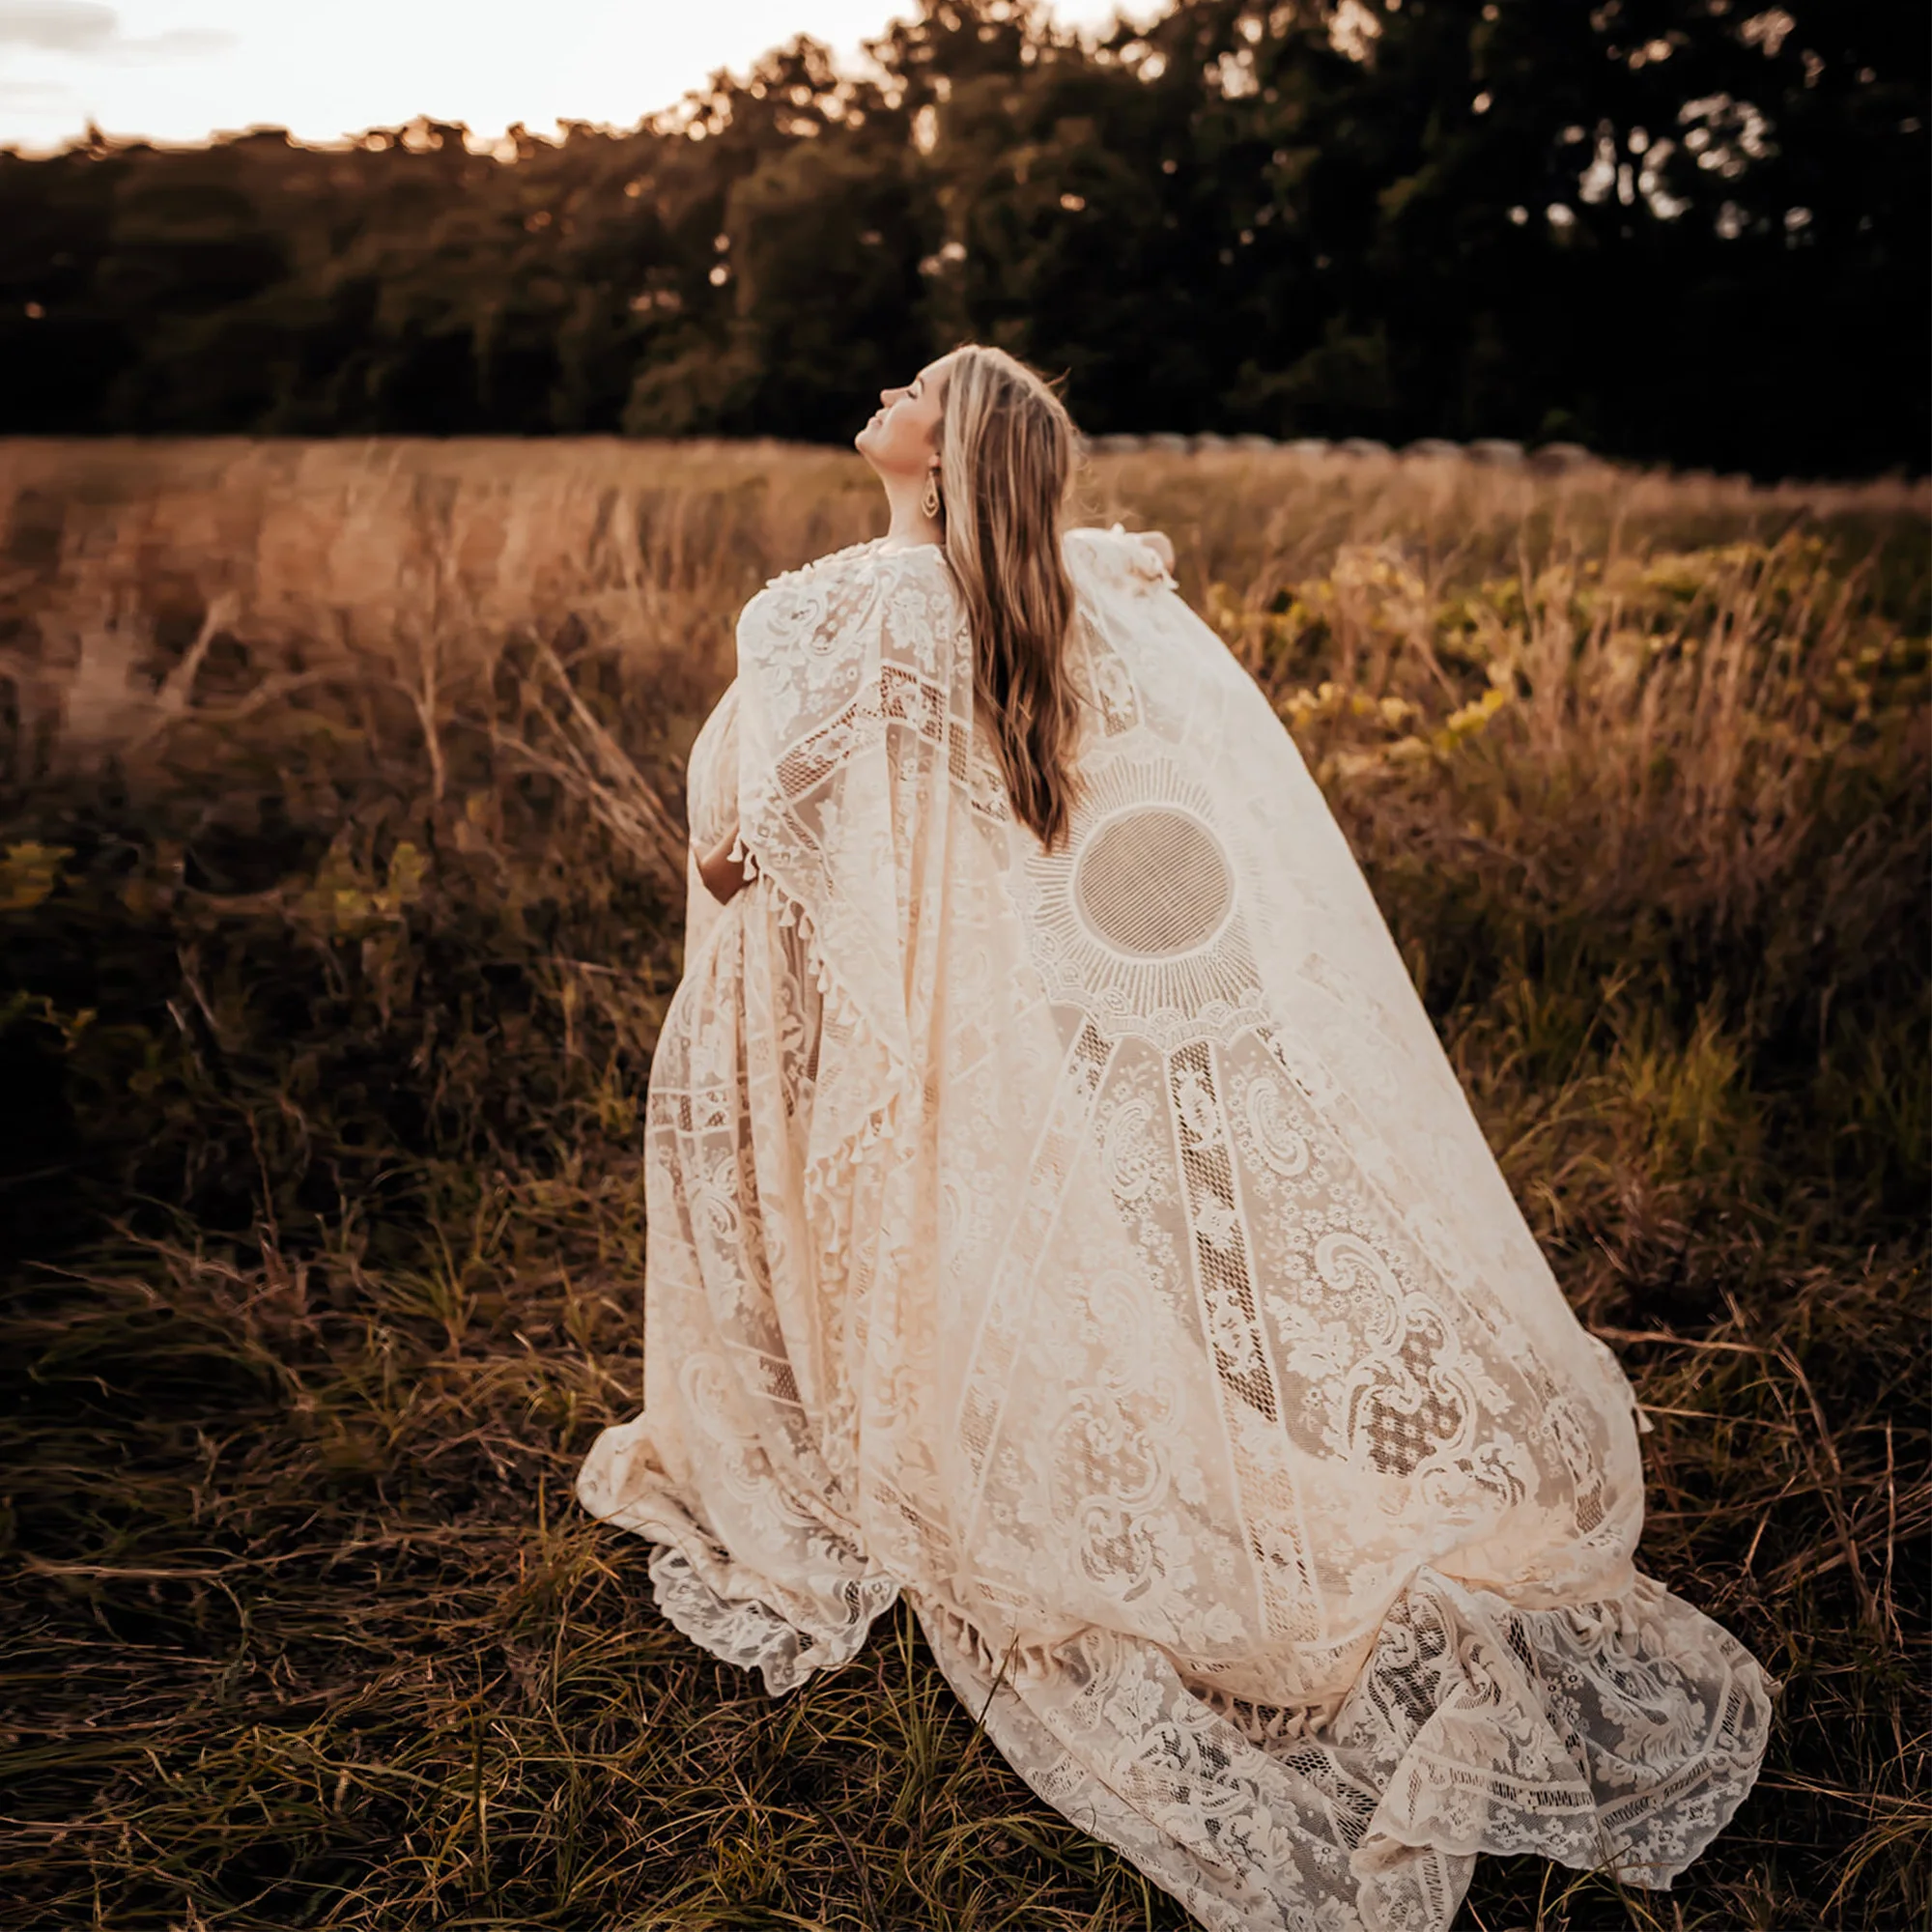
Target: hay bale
1559, 459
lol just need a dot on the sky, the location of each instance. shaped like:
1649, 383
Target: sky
181, 70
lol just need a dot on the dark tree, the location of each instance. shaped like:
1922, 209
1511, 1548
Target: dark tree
1677, 229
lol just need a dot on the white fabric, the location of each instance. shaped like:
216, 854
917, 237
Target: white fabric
1097, 1248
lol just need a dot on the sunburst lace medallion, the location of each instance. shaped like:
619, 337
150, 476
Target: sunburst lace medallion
1136, 920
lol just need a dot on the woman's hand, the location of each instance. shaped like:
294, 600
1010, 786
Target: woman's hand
723, 877
1152, 558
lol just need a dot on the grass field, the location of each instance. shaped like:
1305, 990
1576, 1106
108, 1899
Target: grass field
340, 793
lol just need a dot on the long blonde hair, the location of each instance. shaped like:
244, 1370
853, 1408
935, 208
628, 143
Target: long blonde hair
1005, 455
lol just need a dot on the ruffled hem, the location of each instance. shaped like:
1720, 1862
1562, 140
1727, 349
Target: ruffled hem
750, 1633
719, 1605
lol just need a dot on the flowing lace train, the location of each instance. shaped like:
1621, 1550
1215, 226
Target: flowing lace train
1620, 1734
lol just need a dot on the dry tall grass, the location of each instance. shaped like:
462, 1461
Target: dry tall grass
339, 787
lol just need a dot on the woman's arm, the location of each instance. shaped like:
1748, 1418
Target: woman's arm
722, 876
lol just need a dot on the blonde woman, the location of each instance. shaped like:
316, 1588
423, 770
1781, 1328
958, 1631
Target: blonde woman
1063, 1214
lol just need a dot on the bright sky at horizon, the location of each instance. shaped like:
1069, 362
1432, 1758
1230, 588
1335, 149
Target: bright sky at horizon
181, 70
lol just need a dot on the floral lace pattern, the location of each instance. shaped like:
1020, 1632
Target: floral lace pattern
1096, 1247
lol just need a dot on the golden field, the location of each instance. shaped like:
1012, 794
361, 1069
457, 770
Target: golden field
340, 854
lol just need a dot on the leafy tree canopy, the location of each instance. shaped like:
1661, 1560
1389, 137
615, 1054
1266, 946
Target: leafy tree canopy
1690, 230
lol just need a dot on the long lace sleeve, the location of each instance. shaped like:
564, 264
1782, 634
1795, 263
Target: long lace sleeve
784, 1183
853, 724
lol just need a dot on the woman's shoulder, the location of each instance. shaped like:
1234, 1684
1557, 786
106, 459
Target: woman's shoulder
873, 561
850, 592
826, 620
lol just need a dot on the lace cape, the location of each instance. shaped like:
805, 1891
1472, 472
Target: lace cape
1097, 1248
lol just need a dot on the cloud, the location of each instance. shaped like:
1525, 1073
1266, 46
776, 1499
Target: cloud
60, 27
86, 27
31, 97
177, 44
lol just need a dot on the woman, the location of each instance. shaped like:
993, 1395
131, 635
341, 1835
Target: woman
1063, 1214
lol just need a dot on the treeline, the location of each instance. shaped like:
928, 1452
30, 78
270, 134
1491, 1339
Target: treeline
1681, 230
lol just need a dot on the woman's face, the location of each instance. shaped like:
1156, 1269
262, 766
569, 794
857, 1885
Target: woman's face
898, 439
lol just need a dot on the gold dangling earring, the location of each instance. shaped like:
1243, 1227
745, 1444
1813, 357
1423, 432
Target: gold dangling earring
930, 502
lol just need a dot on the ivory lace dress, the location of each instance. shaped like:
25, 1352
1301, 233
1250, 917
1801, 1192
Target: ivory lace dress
1097, 1249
